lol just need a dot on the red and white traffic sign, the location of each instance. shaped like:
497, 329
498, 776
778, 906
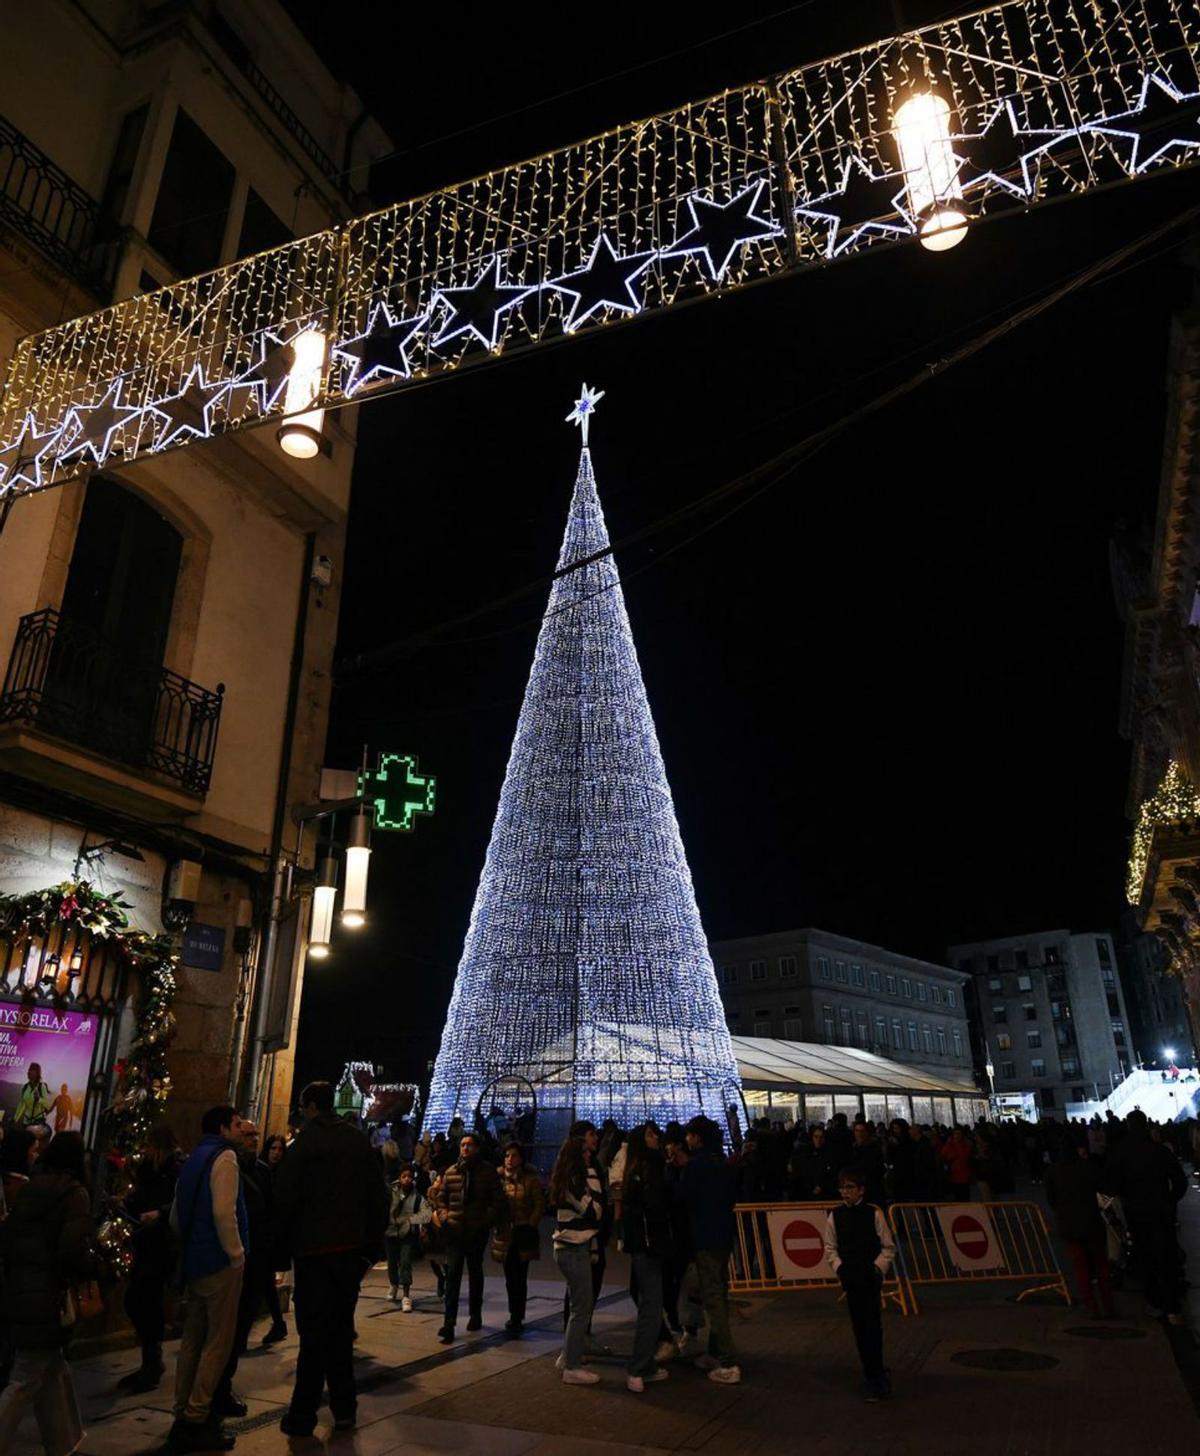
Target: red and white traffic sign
970, 1237
798, 1244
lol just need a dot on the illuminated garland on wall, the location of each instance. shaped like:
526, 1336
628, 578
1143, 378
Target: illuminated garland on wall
1037, 99
143, 1077
1174, 802
586, 969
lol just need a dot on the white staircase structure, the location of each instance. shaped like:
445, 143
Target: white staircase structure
1161, 1101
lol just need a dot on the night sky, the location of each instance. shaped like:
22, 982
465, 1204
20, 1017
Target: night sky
887, 689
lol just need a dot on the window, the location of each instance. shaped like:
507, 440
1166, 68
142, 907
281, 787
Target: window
927, 1040
993, 963
1047, 1096
823, 967
897, 1034
912, 1036
120, 174
791, 1010
729, 975
261, 229
1056, 1010
937, 995
839, 971
863, 1028
965, 964
906, 988
1118, 1031
827, 1023
1114, 1004
1000, 1014
1078, 1094
1008, 1070
941, 1041
188, 226
1037, 1067
1029, 1010
873, 980
1050, 955
762, 1028
787, 967
1108, 976
891, 985
922, 991
758, 970
732, 1016
847, 1034
996, 986
1033, 1038
1024, 983
856, 974
1070, 1068
951, 998
957, 1039
762, 1011
792, 1030
1004, 1041
1022, 960
881, 1030
1102, 950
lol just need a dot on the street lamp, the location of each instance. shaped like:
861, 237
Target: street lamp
358, 861
320, 931
1169, 1054
922, 127
300, 433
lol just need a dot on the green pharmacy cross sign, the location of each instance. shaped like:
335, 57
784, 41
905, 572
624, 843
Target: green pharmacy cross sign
397, 791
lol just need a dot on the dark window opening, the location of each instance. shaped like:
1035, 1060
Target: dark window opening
261, 229
192, 206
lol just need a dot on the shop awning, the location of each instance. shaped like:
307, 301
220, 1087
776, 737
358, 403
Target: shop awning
766, 1064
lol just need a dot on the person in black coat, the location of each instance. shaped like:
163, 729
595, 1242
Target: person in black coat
148, 1206
264, 1175
646, 1227
1149, 1181
1071, 1187
46, 1248
812, 1173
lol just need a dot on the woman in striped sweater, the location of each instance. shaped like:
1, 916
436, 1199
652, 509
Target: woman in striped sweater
578, 1198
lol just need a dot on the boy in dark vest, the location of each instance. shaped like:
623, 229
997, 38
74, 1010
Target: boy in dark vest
859, 1247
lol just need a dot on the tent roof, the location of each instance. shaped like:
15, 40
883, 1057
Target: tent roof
765, 1063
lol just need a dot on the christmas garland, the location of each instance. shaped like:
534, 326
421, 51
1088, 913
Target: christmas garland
143, 1080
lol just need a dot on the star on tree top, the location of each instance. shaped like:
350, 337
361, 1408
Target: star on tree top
585, 406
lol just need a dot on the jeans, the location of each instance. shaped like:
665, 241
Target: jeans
516, 1283
42, 1378
326, 1292
575, 1265
208, 1333
400, 1261
649, 1274
712, 1274
465, 1249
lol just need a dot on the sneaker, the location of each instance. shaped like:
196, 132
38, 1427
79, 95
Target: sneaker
275, 1334
473, 1324
561, 1363
393, 1293
406, 1305
726, 1375
656, 1377
580, 1377
666, 1351
446, 1335
514, 1326
636, 1384
706, 1362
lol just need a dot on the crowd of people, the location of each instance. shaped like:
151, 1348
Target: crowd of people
215, 1229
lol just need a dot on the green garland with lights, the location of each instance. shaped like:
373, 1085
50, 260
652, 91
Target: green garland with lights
1175, 801
143, 1078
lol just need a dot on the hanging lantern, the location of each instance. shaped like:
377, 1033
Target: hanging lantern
320, 931
922, 128
358, 860
300, 434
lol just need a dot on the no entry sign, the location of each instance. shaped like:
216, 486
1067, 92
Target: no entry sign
970, 1237
798, 1244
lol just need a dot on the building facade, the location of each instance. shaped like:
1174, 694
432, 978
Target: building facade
167, 628
1050, 1014
809, 985
1162, 1033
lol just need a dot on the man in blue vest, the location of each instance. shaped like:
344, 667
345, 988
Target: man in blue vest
209, 1217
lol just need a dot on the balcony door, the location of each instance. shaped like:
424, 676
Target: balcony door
106, 665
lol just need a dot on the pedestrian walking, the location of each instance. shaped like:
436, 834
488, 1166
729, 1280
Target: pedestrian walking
333, 1210
148, 1206
468, 1204
46, 1247
265, 1171
577, 1196
409, 1214
709, 1192
209, 1219
258, 1272
589, 1135
859, 1248
1071, 1188
646, 1230
517, 1245
1149, 1181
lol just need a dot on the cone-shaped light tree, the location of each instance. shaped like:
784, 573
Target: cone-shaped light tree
585, 986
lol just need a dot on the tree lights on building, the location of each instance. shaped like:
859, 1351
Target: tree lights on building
585, 973
1174, 802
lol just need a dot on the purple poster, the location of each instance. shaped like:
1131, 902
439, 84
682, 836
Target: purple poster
45, 1063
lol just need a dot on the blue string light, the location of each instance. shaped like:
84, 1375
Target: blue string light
586, 971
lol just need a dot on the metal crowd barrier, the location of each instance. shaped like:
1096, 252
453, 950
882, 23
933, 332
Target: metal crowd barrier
954, 1243
782, 1246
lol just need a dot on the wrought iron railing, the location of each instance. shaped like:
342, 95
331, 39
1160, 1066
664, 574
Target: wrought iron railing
41, 203
69, 681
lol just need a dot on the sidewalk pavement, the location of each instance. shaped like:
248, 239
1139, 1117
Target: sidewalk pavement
1090, 1388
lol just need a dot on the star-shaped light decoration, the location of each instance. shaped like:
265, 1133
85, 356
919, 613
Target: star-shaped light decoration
477, 308
190, 411
605, 281
1162, 120
90, 428
996, 157
21, 458
380, 352
721, 229
862, 204
267, 377
585, 406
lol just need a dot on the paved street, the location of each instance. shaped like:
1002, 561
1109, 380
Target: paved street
1092, 1388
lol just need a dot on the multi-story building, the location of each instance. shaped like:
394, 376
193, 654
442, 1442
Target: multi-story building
1050, 1014
1158, 1016
167, 628
809, 985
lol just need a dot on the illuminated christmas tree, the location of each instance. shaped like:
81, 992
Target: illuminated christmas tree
585, 984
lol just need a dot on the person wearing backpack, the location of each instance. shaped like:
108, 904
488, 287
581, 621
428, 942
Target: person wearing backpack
47, 1248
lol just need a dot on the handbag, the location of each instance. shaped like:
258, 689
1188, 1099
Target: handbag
82, 1301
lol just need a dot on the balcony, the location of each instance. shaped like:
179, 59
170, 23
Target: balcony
40, 203
71, 686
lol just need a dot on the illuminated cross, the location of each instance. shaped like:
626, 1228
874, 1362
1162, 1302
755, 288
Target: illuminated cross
397, 791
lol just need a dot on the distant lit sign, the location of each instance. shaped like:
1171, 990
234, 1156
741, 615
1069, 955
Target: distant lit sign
397, 791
